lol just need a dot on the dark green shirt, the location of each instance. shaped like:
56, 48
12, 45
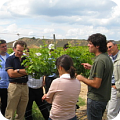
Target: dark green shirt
101, 68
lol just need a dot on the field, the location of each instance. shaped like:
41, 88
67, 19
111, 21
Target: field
79, 55
43, 65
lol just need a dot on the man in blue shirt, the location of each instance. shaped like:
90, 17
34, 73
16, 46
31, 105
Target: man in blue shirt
3, 76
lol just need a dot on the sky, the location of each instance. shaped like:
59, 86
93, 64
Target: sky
67, 19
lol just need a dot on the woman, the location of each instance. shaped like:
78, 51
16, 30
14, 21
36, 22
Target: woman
64, 91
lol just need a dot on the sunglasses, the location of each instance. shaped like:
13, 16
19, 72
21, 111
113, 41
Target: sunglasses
109, 46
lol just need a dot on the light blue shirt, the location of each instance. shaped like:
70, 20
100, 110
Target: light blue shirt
4, 79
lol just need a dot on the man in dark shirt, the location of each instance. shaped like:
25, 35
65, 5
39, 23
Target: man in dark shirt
99, 81
18, 89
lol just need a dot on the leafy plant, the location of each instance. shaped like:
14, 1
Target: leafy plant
10, 50
39, 63
80, 55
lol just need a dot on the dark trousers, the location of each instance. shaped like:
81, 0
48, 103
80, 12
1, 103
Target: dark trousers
95, 109
36, 95
3, 95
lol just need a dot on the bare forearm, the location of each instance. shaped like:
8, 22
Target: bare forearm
96, 82
13, 73
86, 81
22, 71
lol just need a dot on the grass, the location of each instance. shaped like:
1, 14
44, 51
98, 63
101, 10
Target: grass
81, 101
36, 113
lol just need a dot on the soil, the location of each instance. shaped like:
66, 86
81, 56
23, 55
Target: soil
81, 112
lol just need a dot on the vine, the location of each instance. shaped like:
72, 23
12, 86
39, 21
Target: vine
43, 63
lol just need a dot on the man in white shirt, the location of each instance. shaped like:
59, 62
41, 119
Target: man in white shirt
35, 94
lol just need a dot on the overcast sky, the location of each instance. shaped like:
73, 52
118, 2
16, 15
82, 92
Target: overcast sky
75, 19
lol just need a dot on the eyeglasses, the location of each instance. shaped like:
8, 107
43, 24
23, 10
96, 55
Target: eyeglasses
3, 46
109, 47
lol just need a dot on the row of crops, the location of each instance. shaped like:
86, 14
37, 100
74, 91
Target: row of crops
43, 63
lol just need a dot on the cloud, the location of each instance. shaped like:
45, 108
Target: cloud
16, 7
65, 18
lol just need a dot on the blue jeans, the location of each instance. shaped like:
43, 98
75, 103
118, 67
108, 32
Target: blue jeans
74, 118
95, 109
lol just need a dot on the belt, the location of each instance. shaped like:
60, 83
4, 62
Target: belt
19, 83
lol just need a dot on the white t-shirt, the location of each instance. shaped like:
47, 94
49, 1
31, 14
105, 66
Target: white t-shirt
4, 57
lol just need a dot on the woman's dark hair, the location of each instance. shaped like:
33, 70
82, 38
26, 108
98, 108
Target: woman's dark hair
99, 40
66, 62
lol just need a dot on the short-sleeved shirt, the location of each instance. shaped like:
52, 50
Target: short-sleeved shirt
13, 62
101, 68
4, 79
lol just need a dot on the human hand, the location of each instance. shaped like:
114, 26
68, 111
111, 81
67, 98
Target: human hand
80, 77
86, 65
44, 96
114, 86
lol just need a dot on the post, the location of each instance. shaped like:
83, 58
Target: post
18, 35
54, 40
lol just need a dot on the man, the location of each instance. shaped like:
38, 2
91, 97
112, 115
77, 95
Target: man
13, 46
17, 89
114, 103
3, 76
66, 46
99, 81
35, 94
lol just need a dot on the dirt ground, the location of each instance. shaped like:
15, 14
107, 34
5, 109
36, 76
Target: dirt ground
81, 112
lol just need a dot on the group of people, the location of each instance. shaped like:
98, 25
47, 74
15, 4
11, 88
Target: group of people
18, 90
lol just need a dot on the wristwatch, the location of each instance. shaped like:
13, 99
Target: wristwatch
18, 70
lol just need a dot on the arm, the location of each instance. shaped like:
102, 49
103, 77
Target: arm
52, 90
96, 74
13, 73
96, 82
